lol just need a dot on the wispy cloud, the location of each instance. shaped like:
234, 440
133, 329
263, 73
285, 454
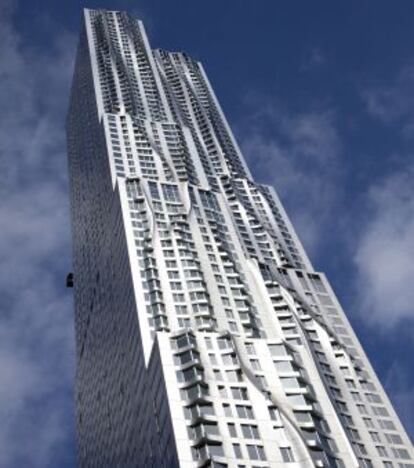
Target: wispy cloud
384, 250
393, 101
299, 154
313, 58
36, 324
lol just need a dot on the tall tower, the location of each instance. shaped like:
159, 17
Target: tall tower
204, 335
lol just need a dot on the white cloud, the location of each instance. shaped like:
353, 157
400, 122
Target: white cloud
299, 154
36, 323
385, 250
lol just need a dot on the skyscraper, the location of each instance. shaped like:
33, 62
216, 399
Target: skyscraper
204, 335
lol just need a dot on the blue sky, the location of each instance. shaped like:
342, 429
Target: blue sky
321, 98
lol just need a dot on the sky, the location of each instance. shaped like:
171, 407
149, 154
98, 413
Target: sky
320, 96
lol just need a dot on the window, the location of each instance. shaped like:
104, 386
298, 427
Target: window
362, 409
290, 382
278, 350
255, 364
356, 396
181, 309
381, 450
303, 417
178, 297
216, 450
184, 340
183, 358
368, 422
223, 343
217, 374
232, 429
401, 453
389, 425
361, 448
262, 381
195, 391
375, 437
229, 314
212, 358
202, 430
350, 383
244, 411
170, 192
250, 348
239, 393
234, 376
256, 452
348, 419
196, 411
237, 451
297, 400
154, 190
227, 410
284, 366
229, 359
222, 391
188, 374
250, 432
287, 454
183, 322
393, 438
233, 327
373, 398
380, 411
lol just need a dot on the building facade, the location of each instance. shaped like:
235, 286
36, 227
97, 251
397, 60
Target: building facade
204, 335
